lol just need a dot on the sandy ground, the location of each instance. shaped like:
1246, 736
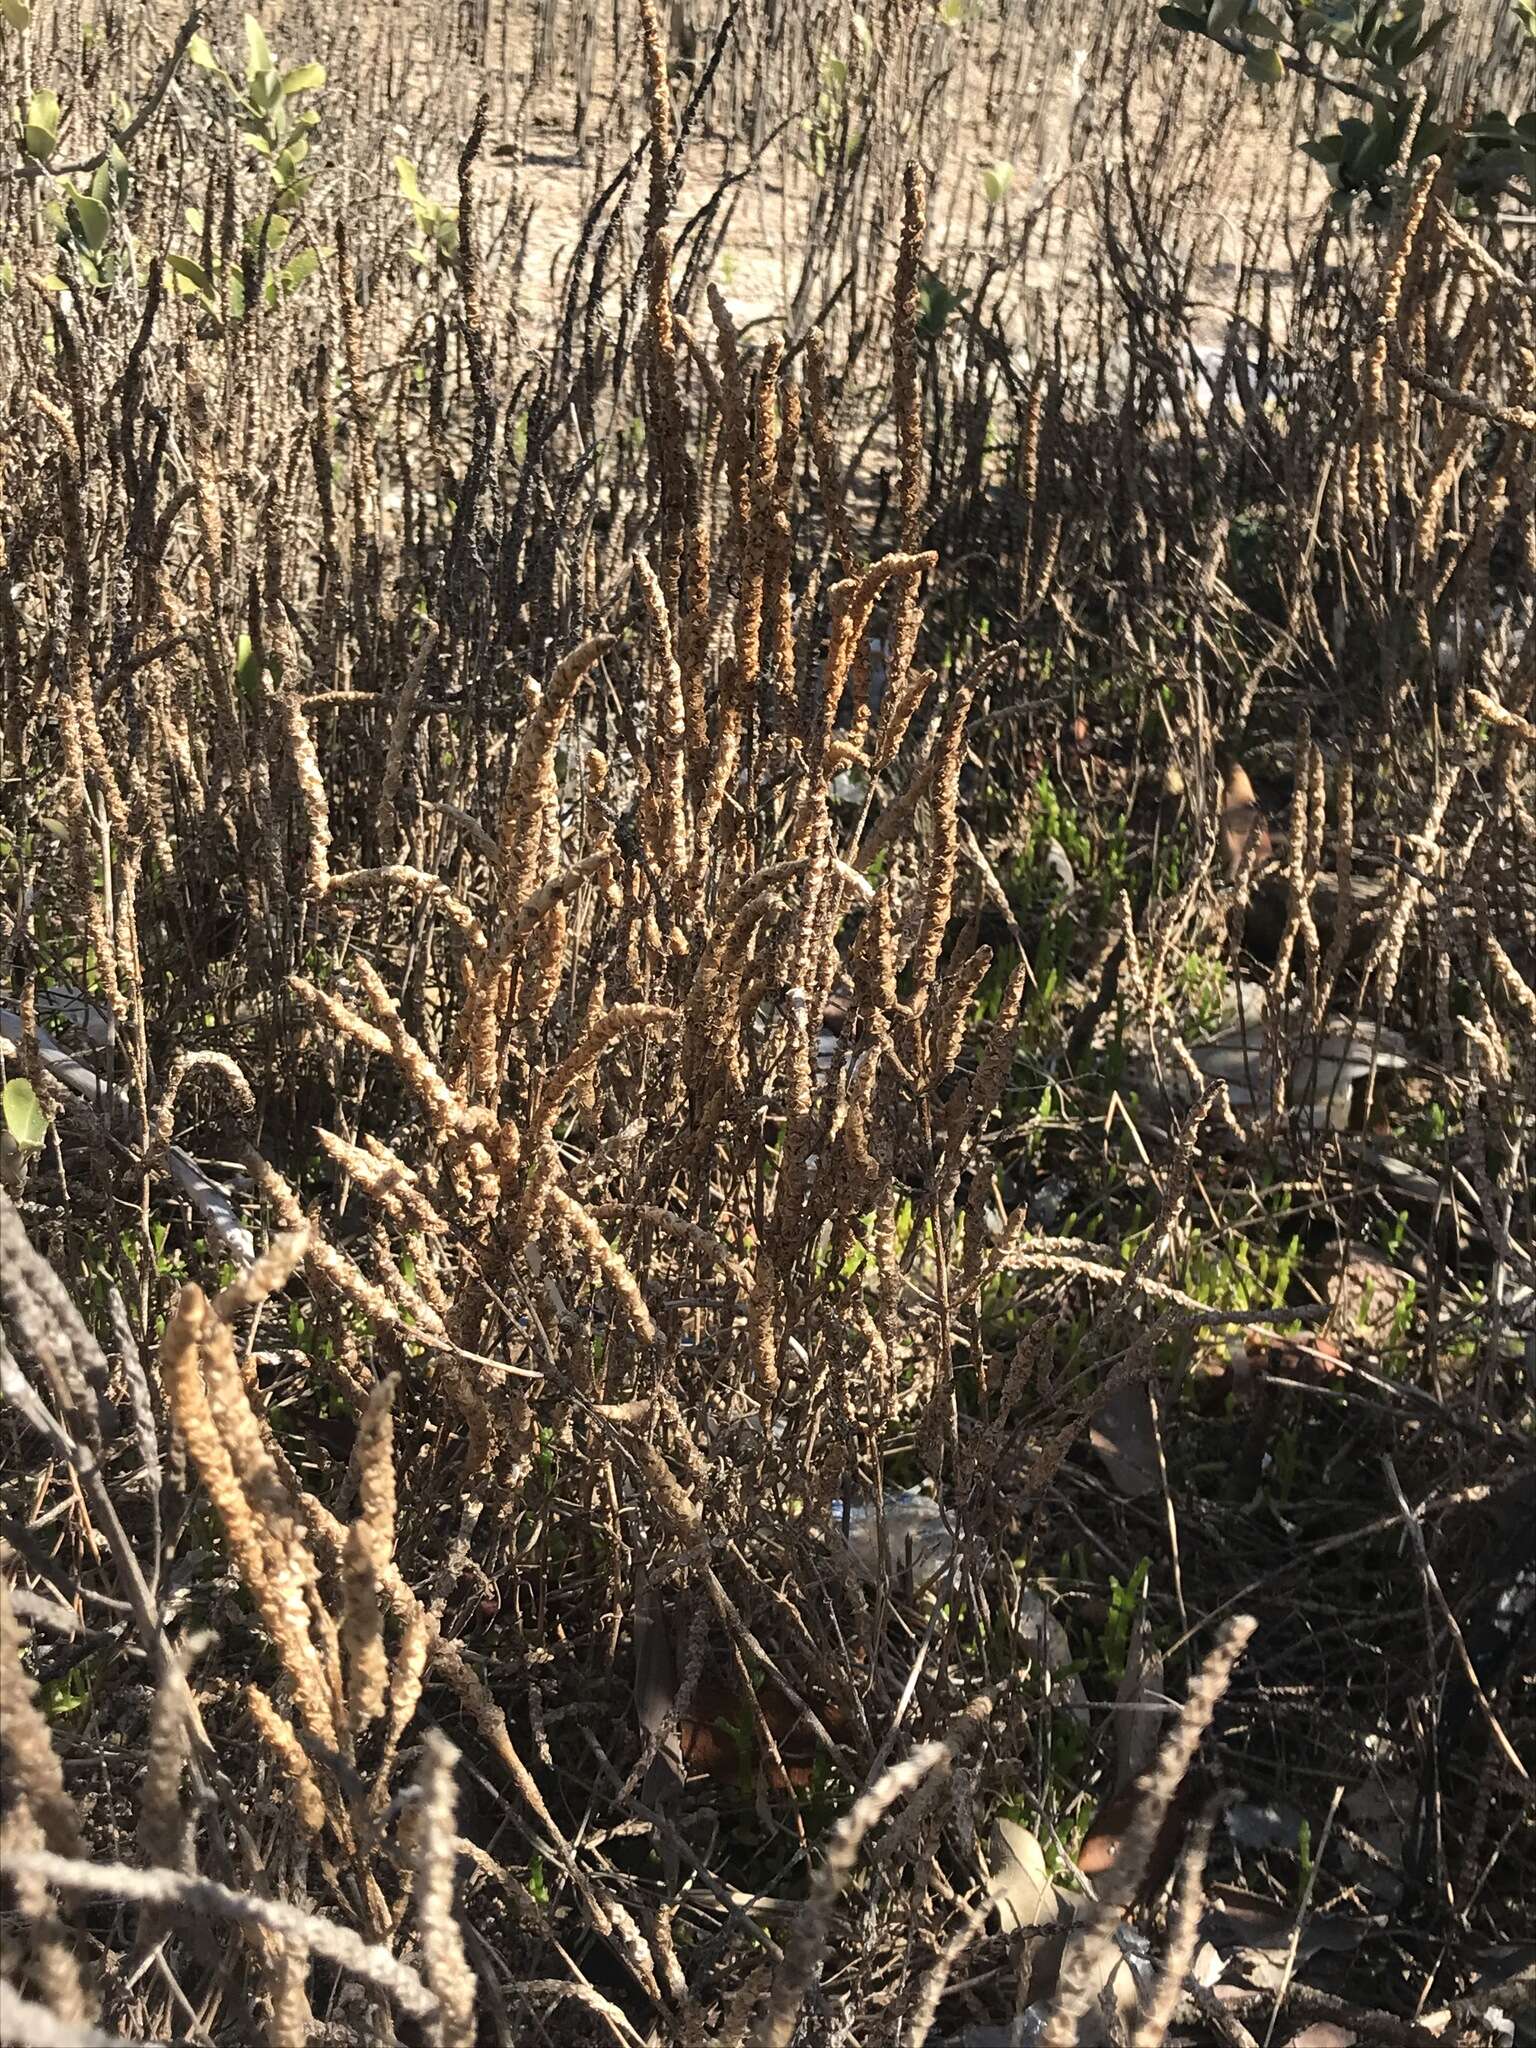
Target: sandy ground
565, 84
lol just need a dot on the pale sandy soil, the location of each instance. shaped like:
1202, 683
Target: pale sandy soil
565, 80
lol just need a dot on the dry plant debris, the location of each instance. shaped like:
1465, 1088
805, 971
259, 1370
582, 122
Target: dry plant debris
769, 995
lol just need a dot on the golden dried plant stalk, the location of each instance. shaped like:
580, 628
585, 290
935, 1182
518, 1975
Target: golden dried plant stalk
181, 1068
267, 1275
313, 800
658, 95
906, 389
669, 724
260, 1521
386, 1179
433, 1847
340, 1015
944, 854
164, 1824
415, 882
33, 1771
607, 1264
369, 1553
445, 1111
1080, 1974
288, 1754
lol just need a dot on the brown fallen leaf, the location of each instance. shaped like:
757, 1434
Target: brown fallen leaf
1253, 1926
1251, 1361
1021, 1880
655, 1698
719, 1735
1117, 1992
1107, 1830
1138, 1716
1243, 823
1123, 1436
1365, 1292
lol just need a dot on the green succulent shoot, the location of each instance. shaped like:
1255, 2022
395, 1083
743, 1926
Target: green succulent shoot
437, 222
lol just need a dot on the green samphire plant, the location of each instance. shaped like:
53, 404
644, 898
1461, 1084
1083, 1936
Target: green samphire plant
1375, 53
281, 131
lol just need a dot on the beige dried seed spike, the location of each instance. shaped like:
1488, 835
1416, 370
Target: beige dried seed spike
287, 1596
445, 1111
1080, 1975
287, 1975
853, 601
733, 390
288, 1753
1511, 980
82, 841
901, 704
521, 828
804, 1949
187, 1399
412, 1304
906, 616
779, 612
1394, 277
701, 363
258, 1479
81, 693
681, 1228
362, 1634
658, 96
763, 1327
613, 1025
539, 978
669, 1495
1344, 905
997, 1061
556, 890
1451, 457
406, 1679
332, 1266
448, 1658
313, 799
670, 723
370, 1551
385, 1179
943, 855
609, 1265
874, 960
164, 1824
339, 1015
225, 1443
32, 1765
949, 1025
432, 1835
907, 391
672, 453
426, 888
854, 1135
1029, 451
750, 604
265, 1276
